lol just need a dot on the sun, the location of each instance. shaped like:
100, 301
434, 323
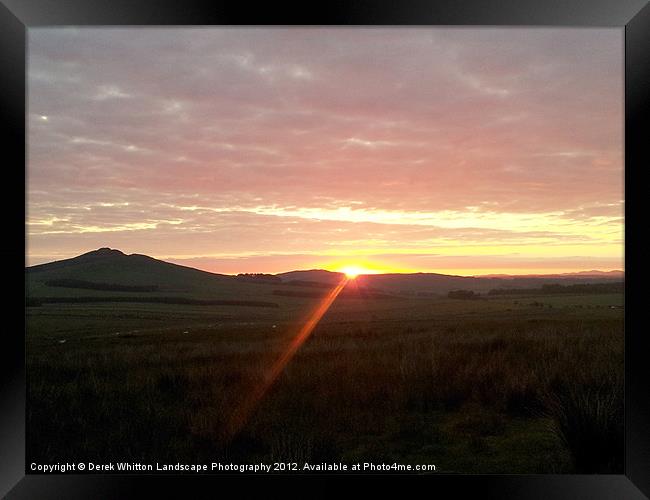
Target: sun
351, 272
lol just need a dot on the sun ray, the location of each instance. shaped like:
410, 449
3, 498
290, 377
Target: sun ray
245, 409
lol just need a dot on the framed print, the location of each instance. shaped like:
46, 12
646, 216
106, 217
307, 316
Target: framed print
370, 241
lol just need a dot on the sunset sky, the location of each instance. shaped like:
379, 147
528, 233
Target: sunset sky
464, 151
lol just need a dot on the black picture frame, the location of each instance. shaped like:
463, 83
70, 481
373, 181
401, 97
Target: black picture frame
16, 16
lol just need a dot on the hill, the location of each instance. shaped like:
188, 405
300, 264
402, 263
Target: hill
425, 283
113, 266
312, 275
106, 270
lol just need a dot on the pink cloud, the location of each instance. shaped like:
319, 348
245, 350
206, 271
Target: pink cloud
417, 120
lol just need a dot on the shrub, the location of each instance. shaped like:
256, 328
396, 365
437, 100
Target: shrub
588, 418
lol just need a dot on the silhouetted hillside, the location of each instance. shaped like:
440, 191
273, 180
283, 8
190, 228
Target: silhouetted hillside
107, 269
103, 271
312, 275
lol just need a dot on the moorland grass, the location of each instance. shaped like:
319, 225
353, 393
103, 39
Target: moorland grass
472, 387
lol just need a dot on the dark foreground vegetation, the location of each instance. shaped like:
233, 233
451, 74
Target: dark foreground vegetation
555, 288
150, 300
472, 386
464, 295
357, 293
90, 285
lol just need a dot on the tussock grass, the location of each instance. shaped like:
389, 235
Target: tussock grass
588, 418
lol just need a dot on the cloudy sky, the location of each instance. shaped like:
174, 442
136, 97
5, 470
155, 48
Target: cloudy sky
467, 151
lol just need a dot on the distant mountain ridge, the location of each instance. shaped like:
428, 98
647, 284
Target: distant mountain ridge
443, 283
614, 274
112, 269
314, 275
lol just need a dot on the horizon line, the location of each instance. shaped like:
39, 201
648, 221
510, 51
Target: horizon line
496, 274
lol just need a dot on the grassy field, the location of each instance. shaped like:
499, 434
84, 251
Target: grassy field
526, 384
